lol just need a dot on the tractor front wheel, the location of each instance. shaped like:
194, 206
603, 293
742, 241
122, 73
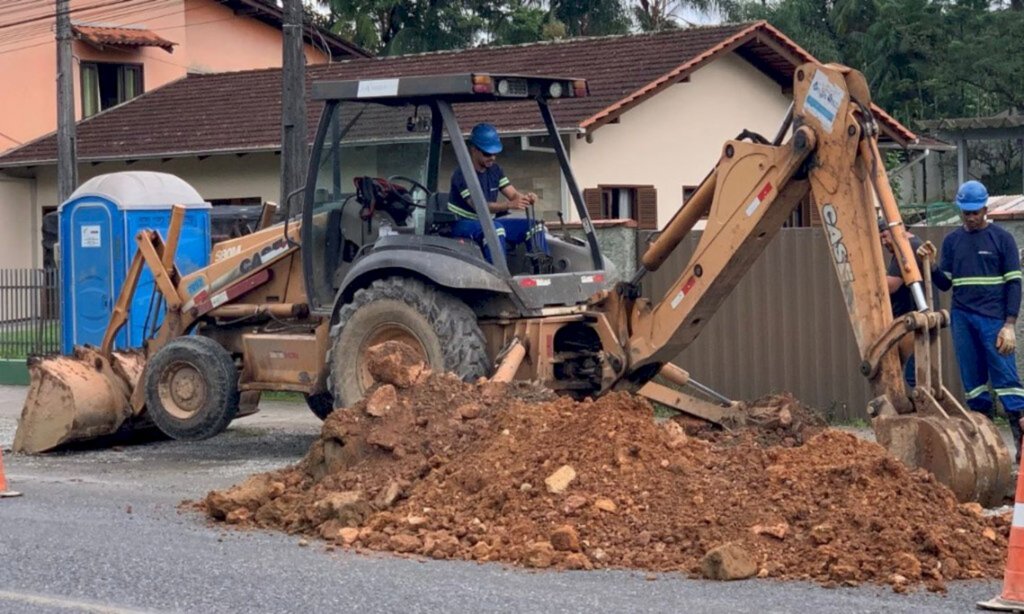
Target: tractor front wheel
192, 388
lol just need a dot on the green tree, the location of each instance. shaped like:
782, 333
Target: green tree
515, 22
653, 15
591, 17
392, 27
924, 59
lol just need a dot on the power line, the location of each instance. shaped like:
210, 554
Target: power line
49, 16
11, 139
118, 13
38, 28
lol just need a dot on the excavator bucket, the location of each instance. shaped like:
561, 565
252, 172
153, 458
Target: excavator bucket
78, 397
961, 448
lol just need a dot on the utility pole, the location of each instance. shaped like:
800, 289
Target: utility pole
293, 103
67, 165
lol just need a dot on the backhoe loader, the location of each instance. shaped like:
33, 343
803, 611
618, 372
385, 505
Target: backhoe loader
370, 258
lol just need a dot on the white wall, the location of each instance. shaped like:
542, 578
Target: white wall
20, 232
215, 177
675, 137
22, 200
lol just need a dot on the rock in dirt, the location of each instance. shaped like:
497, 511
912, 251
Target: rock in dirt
778, 531
728, 562
558, 481
906, 565
565, 539
394, 363
404, 543
468, 411
381, 400
348, 535
452, 488
540, 555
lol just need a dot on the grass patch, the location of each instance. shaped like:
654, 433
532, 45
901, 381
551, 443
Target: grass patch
285, 397
22, 341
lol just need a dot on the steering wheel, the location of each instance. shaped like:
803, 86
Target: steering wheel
416, 185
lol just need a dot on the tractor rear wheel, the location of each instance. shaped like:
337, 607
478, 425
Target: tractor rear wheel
439, 328
192, 388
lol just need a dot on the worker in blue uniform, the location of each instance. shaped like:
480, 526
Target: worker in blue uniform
980, 262
484, 147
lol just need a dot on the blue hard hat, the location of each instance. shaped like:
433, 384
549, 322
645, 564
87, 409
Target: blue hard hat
971, 196
485, 138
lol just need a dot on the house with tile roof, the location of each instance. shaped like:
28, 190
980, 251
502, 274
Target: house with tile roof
661, 105
123, 48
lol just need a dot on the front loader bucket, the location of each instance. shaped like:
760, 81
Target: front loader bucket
965, 453
74, 398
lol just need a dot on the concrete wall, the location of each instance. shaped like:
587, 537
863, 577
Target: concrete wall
253, 175
674, 138
209, 37
933, 179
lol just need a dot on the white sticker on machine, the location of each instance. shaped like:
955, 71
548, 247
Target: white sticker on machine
369, 88
91, 236
824, 99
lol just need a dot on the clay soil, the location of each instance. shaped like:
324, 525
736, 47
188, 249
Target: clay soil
428, 465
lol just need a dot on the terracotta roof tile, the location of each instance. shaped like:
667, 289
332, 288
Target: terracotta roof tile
102, 36
236, 112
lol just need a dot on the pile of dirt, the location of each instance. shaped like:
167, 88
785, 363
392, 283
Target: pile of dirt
432, 466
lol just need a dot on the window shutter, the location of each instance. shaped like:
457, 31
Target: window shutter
647, 208
592, 199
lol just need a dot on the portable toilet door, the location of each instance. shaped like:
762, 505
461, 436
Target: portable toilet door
90, 269
98, 224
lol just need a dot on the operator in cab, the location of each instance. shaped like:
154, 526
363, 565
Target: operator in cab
980, 262
484, 147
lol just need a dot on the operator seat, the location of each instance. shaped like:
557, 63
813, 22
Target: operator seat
437, 219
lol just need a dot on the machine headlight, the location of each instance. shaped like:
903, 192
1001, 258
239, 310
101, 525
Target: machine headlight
555, 90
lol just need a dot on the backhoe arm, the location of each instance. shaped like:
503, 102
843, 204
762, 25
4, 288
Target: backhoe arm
748, 197
833, 157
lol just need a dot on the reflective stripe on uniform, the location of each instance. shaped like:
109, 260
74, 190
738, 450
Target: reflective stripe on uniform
459, 211
465, 193
503, 182
977, 392
978, 281
1010, 392
1012, 275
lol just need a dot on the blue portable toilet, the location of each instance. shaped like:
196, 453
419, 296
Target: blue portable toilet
97, 228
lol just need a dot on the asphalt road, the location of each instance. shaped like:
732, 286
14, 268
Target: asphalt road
102, 531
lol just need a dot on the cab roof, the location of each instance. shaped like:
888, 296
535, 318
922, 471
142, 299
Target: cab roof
453, 88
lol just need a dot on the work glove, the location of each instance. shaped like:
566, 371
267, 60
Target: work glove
927, 250
1006, 341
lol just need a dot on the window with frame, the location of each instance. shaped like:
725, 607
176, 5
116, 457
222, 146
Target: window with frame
630, 202
106, 84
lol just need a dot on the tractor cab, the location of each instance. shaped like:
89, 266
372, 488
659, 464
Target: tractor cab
377, 201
